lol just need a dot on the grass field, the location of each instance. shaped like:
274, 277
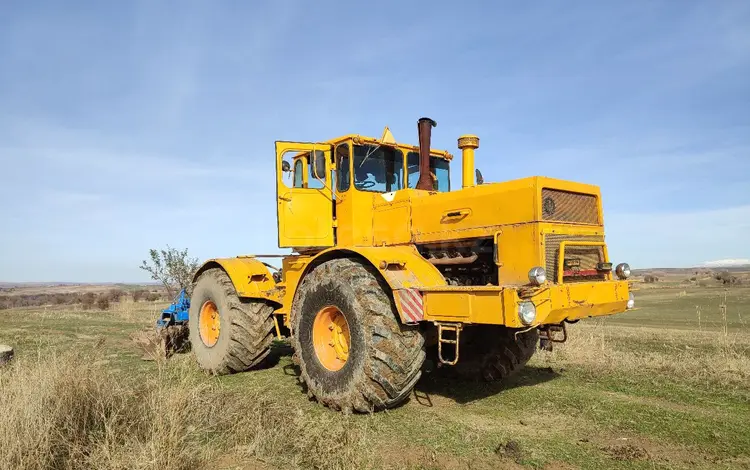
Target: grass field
651, 388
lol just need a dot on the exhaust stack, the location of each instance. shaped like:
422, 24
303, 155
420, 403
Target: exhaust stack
467, 144
424, 127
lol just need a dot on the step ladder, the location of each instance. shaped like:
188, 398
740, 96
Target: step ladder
552, 334
455, 328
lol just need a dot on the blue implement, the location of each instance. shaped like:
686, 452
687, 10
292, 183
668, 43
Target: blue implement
177, 313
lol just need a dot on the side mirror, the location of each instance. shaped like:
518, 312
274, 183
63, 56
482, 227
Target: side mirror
285, 166
480, 178
319, 165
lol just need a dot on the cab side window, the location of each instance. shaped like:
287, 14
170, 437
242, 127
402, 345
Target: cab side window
342, 165
312, 181
299, 169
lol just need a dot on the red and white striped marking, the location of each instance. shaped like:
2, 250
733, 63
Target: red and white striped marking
412, 306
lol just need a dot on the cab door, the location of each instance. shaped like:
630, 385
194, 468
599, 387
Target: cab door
304, 195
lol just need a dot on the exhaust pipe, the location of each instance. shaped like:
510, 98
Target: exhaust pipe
424, 127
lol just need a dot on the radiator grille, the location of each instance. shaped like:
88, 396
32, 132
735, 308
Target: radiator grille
564, 206
587, 256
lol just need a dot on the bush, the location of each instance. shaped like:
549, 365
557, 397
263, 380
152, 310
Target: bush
139, 294
650, 278
87, 300
114, 295
102, 302
172, 267
726, 278
152, 297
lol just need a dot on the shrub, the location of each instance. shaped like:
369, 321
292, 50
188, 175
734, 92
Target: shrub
726, 278
114, 295
172, 267
650, 278
87, 300
139, 294
152, 297
102, 302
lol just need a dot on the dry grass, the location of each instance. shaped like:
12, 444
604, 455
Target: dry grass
70, 412
646, 389
719, 357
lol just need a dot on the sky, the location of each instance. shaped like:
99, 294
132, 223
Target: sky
126, 126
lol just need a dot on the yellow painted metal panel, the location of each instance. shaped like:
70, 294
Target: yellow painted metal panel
472, 212
498, 306
249, 276
305, 215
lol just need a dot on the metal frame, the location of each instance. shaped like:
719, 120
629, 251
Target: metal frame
561, 256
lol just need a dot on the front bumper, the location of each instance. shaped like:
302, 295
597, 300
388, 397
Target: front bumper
499, 305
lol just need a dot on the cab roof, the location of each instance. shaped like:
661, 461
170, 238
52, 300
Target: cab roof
387, 139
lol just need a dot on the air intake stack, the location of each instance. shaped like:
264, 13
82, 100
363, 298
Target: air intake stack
467, 144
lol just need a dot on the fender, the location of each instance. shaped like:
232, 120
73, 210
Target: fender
251, 278
402, 267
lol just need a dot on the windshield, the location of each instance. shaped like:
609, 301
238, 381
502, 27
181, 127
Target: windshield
439, 167
378, 168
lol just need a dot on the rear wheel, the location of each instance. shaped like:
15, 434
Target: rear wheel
353, 352
227, 334
495, 353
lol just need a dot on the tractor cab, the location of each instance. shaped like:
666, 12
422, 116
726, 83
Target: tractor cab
326, 191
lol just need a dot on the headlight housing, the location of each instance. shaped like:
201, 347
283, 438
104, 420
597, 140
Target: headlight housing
623, 270
631, 301
527, 312
537, 276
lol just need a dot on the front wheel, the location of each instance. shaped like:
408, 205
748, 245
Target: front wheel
495, 353
353, 352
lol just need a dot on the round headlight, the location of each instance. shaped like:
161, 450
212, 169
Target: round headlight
631, 301
537, 276
623, 270
527, 312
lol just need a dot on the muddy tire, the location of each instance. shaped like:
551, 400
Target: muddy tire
384, 357
245, 326
495, 353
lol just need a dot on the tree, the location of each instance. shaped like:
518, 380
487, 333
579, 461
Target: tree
172, 267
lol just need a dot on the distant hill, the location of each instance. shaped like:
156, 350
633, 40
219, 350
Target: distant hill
699, 269
8, 285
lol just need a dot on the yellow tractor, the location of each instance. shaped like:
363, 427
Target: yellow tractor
390, 267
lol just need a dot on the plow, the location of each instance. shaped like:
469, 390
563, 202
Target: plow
170, 333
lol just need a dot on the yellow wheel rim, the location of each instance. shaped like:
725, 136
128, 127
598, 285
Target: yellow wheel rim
209, 324
331, 338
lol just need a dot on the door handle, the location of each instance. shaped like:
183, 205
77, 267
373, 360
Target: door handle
285, 198
456, 214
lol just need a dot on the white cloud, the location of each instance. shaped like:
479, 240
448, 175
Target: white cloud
727, 262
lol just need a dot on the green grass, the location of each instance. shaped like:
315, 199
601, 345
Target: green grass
677, 307
644, 389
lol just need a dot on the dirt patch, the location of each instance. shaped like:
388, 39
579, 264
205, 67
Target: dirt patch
510, 450
402, 456
626, 452
639, 448
559, 466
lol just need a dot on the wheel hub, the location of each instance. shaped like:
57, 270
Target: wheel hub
331, 338
209, 324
